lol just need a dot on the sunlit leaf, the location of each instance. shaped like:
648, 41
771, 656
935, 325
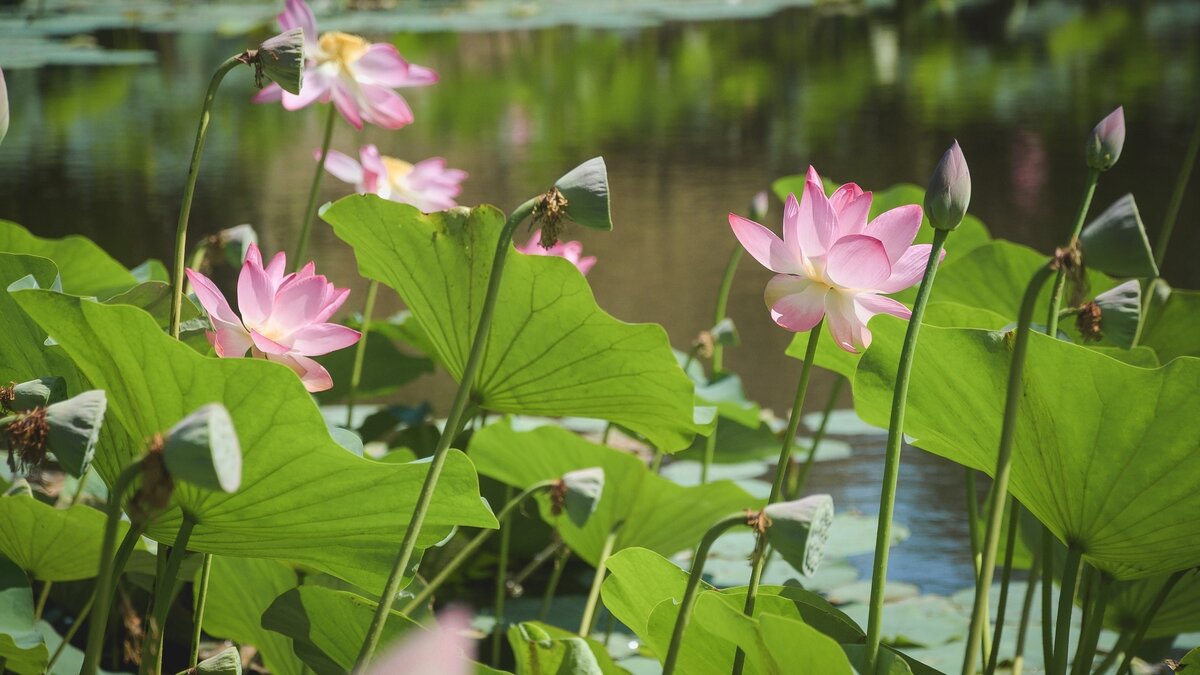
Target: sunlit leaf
86, 269
551, 349
652, 511
536, 653
1172, 324
51, 544
1098, 445
239, 591
1131, 601
303, 497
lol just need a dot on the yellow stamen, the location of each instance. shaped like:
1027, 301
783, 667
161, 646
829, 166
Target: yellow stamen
342, 48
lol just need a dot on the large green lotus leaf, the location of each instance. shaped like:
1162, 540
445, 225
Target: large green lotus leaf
52, 544
1131, 600
969, 235
551, 349
773, 644
239, 591
656, 513
23, 354
22, 649
1102, 450
86, 269
831, 357
303, 498
327, 627
1172, 325
994, 277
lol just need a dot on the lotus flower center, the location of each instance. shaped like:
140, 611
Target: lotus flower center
342, 48
396, 168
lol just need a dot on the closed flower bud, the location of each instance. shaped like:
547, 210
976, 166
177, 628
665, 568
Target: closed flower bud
227, 662
949, 192
1104, 146
799, 530
281, 60
578, 493
581, 195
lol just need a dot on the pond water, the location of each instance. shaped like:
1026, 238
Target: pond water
692, 116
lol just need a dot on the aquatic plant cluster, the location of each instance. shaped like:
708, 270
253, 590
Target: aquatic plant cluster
195, 484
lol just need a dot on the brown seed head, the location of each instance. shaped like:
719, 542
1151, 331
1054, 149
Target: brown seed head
1088, 322
27, 440
548, 214
704, 344
758, 521
558, 496
7, 395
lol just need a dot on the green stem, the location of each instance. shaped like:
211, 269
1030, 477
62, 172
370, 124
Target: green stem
453, 426
164, 592
1035, 571
104, 577
759, 557
201, 601
1144, 626
1010, 544
1047, 597
1085, 654
502, 577
973, 519
693, 584
360, 351
802, 475
560, 563
1066, 603
1060, 278
593, 600
41, 601
710, 451
735, 256
891, 462
656, 461
310, 211
189, 191
1181, 184
995, 511
1110, 659
535, 564
80, 485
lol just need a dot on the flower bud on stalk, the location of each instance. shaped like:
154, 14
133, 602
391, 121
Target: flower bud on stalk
3, 107
949, 192
1107, 139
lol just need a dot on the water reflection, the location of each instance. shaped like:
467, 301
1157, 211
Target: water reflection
693, 118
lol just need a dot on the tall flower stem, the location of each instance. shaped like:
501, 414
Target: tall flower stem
1136, 643
759, 556
1181, 183
454, 424
995, 510
105, 581
1047, 549
801, 478
201, 600
1010, 543
718, 355
593, 599
1085, 654
164, 592
1031, 584
693, 585
360, 350
891, 462
467, 551
1118, 651
560, 564
189, 191
1060, 278
502, 577
310, 211
1066, 603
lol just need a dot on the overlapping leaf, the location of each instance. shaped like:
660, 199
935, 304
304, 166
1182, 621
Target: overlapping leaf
303, 497
51, 544
1098, 443
652, 511
23, 354
86, 269
240, 590
551, 349
22, 648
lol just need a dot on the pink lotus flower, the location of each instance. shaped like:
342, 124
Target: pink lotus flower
427, 185
445, 650
283, 316
571, 250
358, 76
832, 263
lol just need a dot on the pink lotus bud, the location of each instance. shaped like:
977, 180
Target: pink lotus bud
759, 206
949, 191
1104, 146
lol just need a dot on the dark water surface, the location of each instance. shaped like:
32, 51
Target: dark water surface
692, 118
